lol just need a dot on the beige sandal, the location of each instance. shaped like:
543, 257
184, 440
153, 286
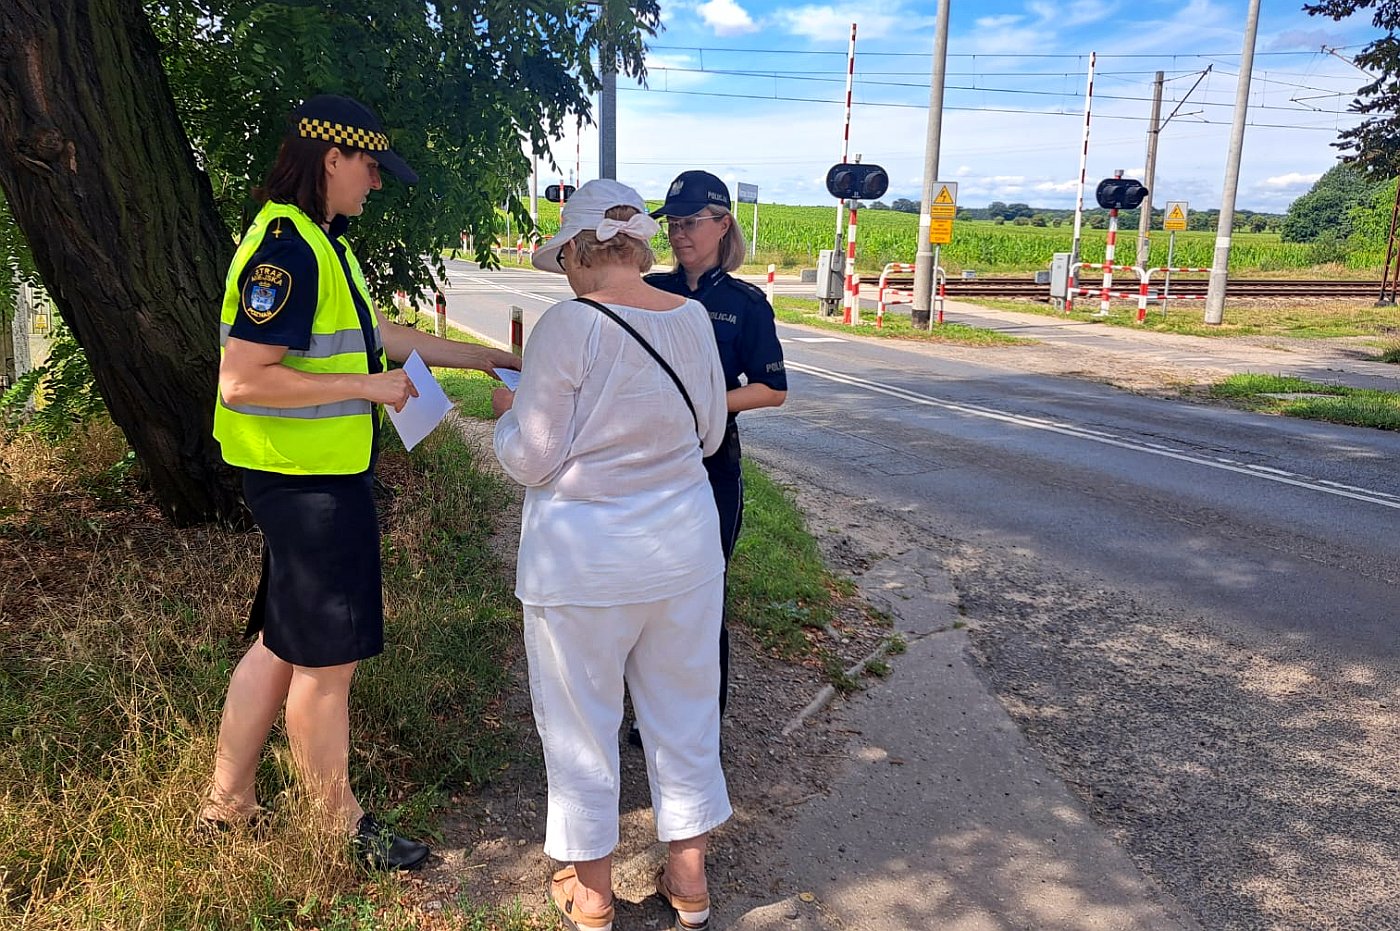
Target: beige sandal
692, 913
575, 918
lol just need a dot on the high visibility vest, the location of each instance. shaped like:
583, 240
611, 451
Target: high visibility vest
321, 439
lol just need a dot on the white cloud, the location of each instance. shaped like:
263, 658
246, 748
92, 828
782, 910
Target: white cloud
1058, 187
998, 22
726, 17
1077, 13
876, 19
964, 171
1291, 180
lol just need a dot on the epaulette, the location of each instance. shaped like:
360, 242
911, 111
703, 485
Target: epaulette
749, 289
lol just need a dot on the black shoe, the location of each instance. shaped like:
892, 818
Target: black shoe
381, 849
634, 736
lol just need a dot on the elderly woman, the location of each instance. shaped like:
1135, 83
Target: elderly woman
620, 569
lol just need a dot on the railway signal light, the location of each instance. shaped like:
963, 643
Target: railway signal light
558, 193
848, 181
1119, 193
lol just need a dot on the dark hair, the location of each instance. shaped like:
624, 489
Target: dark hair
298, 176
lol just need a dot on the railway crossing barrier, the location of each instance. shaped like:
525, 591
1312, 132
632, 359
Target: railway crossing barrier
1105, 292
1166, 287
886, 293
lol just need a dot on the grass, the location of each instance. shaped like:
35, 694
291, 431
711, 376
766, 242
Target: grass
1312, 401
805, 311
1319, 320
778, 584
117, 638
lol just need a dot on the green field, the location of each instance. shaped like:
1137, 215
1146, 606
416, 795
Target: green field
791, 237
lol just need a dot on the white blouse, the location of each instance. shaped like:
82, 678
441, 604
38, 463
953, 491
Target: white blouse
618, 507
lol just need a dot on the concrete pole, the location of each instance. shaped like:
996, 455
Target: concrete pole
1154, 132
923, 258
1220, 269
607, 112
535, 189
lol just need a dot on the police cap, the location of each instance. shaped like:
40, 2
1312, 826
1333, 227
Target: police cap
350, 124
691, 192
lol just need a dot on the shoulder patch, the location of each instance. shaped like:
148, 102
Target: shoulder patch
266, 291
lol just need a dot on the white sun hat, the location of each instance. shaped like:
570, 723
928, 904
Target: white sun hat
585, 210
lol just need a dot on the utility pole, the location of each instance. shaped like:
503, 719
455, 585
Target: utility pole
923, 258
607, 114
1154, 132
1220, 269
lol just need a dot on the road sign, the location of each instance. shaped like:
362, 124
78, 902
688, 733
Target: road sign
1175, 218
942, 211
748, 193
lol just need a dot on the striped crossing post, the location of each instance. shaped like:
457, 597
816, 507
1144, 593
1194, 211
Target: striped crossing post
1083, 167
517, 331
1108, 261
852, 314
772, 270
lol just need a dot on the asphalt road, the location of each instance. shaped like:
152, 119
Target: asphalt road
1190, 611
1278, 527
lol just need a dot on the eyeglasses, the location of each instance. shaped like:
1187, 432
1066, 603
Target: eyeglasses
686, 225
559, 257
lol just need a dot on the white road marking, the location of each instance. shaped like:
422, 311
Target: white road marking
1367, 496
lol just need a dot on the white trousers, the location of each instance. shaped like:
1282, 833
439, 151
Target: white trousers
667, 652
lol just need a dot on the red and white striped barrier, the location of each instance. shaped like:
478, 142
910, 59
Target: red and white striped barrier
772, 271
1183, 269
884, 294
1104, 292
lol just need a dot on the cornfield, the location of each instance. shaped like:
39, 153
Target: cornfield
792, 237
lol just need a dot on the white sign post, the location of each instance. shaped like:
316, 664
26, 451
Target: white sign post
748, 194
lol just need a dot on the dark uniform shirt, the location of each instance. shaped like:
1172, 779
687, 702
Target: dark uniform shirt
279, 286
746, 336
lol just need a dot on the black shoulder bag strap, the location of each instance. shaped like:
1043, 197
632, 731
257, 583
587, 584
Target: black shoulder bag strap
650, 351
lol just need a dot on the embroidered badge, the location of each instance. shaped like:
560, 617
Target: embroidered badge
266, 292
676, 188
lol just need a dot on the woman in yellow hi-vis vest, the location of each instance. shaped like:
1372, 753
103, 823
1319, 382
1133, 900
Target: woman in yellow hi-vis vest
303, 368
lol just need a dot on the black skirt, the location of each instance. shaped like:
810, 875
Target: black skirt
320, 601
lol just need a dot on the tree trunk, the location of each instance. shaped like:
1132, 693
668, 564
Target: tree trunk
101, 179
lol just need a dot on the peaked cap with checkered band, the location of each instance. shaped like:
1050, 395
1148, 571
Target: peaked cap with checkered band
351, 124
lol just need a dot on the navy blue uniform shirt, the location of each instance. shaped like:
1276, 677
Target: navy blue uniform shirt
746, 336
279, 285
743, 322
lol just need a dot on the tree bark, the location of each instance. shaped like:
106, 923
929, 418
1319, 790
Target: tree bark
101, 179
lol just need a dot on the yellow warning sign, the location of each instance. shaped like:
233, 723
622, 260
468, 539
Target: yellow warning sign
1175, 219
945, 203
940, 232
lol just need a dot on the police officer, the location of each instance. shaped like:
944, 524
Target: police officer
303, 371
707, 245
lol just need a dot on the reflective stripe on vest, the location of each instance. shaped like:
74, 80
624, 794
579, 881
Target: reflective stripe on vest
321, 439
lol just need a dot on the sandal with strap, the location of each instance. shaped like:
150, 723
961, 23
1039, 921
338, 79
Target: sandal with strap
692, 912
562, 886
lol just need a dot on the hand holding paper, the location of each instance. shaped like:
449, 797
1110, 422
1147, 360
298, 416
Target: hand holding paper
421, 414
509, 377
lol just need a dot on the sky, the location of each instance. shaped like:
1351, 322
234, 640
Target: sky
754, 91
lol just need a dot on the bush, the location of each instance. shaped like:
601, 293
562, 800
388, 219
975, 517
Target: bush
57, 397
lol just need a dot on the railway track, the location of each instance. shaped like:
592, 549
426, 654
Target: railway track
1183, 285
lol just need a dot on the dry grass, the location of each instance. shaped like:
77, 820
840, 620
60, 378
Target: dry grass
117, 637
